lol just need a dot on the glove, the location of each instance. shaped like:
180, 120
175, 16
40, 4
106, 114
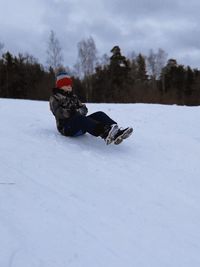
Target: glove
67, 112
83, 110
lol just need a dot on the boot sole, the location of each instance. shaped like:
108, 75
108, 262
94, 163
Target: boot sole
112, 132
125, 135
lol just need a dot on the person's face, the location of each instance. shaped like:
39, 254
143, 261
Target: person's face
67, 88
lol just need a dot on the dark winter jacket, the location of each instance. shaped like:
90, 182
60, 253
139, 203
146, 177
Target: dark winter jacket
65, 105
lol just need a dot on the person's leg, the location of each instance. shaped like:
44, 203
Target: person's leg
110, 127
102, 117
79, 125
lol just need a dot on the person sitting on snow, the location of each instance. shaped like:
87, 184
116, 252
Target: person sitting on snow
71, 115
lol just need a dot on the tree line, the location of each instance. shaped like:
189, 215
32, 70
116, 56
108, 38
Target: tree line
112, 78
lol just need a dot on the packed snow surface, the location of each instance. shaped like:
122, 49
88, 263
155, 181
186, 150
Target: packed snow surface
79, 203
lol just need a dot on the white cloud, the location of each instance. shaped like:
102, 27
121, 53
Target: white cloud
134, 25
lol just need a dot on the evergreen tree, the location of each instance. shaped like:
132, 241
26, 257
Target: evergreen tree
190, 77
141, 68
119, 70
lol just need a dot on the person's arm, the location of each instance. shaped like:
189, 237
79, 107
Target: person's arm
83, 110
59, 108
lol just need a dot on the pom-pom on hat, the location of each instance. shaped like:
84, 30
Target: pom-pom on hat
63, 79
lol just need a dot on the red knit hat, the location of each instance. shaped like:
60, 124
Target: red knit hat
63, 79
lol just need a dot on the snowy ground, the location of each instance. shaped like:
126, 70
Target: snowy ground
77, 202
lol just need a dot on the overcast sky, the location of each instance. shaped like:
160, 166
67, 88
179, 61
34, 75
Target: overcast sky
134, 25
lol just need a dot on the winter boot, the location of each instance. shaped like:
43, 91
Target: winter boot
110, 132
122, 134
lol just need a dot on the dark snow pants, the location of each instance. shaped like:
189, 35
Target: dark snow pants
93, 124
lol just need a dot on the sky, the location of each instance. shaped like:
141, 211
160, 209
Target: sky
134, 25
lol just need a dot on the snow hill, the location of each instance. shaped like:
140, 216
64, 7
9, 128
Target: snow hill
79, 203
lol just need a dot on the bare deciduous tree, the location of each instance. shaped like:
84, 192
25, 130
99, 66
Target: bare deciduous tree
1, 48
104, 60
155, 62
151, 63
161, 60
87, 56
54, 52
77, 70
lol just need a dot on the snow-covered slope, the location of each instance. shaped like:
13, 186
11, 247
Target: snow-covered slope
77, 202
